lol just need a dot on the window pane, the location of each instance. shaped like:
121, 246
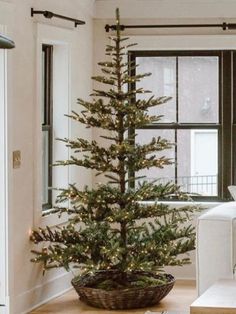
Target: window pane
197, 161
45, 162
198, 80
162, 82
144, 137
47, 125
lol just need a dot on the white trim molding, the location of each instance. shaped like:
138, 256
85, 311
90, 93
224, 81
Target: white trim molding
62, 40
3, 177
6, 276
41, 294
183, 42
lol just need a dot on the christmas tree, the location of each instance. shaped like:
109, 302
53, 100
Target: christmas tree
107, 226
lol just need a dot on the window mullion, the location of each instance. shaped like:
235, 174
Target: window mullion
177, 117
225, 165
234, 122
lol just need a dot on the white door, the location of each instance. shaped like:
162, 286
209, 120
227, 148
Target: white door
204, 162
3, 224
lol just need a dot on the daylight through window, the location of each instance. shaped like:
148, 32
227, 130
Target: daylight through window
198, 118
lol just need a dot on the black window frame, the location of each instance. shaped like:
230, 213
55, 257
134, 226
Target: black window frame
227, 113
47, 119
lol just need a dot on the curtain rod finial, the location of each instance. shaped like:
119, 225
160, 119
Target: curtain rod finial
6, 43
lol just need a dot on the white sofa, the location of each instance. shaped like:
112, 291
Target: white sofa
216, 245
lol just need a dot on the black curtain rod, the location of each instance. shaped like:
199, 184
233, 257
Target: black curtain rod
6, 43
49, 15
224, 26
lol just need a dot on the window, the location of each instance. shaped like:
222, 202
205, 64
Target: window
203, 178
54, 86
47, 124
200, 118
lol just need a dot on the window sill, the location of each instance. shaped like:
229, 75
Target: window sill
206, 204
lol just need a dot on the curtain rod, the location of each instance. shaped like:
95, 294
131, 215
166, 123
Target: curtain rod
49, 15
6, 43
224, 26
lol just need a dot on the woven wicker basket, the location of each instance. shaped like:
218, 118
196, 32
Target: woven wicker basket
129, 298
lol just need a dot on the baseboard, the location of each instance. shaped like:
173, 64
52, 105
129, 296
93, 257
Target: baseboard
47, 300
31, 299
184, 281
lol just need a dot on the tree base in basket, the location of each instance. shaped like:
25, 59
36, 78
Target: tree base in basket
120, 299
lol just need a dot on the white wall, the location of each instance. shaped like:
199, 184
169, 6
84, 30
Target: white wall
27, 286
167, 9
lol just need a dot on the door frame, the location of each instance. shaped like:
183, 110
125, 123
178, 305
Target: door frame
3, 180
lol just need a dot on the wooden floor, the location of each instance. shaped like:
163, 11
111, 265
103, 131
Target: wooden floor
179, 300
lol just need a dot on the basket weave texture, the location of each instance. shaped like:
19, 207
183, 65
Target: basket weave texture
129, 298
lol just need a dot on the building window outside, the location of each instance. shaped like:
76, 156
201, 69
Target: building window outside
47, 125
198, 118
203, 175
